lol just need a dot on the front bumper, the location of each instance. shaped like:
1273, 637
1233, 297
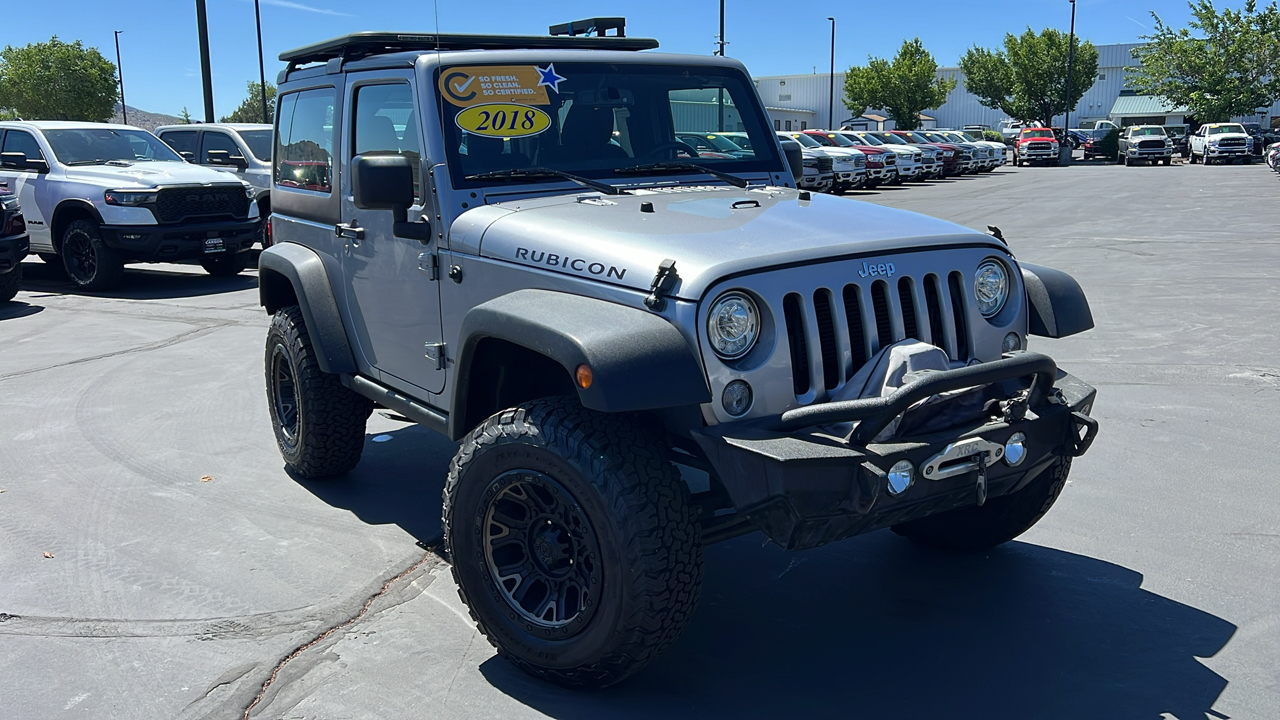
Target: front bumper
820, 183
1214, 151
804, 488
12, 250
1151, 153
157, 243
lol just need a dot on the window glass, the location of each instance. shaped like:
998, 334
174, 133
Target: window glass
304, 157
386, 123
259, 142
19, 141
101, 145
214, 140
182, 141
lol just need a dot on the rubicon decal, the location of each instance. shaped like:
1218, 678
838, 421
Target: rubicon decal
581, 265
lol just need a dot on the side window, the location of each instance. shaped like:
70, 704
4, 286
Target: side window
386, 123
183, 142
217, 141
20, 141
304, 143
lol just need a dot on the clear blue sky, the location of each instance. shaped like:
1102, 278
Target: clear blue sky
162, 63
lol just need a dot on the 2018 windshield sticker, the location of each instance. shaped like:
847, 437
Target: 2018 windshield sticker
503, 120
564, 261
477, 85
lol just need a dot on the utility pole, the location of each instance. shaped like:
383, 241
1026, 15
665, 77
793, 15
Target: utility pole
206, 73
720, 41
1064, 152
831, 98
124, 109
262, 70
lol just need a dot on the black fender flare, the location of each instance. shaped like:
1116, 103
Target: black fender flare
56, 222
638, 360
1058, 306
290, 273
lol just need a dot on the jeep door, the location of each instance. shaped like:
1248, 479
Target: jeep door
392, 294
31, 187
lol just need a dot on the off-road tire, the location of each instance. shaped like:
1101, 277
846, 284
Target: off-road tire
87, 260
226, 265
1167, 161
9, 283
323, 436
637, 510
1000, 520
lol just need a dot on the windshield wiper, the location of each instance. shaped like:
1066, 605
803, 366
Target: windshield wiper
86, 162
543, 172
688, 166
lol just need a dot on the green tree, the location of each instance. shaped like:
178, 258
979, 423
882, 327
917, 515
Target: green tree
904, 87
58, 81
185, 116
1027, 78
1226, 67
250, 110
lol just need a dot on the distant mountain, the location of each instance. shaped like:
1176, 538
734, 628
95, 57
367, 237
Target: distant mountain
145, 120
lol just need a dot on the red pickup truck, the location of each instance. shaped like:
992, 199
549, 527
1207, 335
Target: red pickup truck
1036, 144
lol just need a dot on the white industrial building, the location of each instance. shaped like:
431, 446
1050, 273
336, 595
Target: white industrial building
798, 102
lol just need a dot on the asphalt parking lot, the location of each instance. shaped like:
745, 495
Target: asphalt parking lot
186, 566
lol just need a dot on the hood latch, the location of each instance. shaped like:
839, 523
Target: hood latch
663, 283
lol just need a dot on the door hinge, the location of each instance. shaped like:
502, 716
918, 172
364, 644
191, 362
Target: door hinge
428, 264
663, 283
435, 352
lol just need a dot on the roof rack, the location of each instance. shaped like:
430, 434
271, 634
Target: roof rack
365, 44
599, 26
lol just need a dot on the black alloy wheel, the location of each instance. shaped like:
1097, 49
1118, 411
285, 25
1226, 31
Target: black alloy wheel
284, 396
89, 263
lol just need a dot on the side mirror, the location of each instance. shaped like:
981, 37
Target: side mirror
188, 156
795, 158
20, 161
385, 182
224, 157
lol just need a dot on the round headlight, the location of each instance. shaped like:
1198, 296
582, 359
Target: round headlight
991, 287
733, 325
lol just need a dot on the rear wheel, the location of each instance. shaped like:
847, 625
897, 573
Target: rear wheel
998, 521
225, 265
89, 263
318, 423
9, 283
574, 545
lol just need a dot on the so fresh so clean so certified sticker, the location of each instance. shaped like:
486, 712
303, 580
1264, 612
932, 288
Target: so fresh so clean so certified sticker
503, 120
499, 100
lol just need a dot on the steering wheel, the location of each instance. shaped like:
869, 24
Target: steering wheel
675, 145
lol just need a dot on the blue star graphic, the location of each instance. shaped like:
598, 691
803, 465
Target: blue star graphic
549, 77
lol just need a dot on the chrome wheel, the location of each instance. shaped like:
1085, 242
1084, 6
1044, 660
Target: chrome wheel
542, 553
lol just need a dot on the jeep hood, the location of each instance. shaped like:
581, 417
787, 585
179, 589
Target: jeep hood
711, 232
147, 175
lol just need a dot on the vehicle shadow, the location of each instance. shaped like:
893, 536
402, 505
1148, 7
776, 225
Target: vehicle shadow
876, 627
141, 282
399, 481
18, 309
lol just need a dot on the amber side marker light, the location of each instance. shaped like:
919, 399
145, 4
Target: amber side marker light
584, 376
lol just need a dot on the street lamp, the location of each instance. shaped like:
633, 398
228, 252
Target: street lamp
831, 98
124, 109
1064, 152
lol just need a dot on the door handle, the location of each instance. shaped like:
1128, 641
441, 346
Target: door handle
351, 232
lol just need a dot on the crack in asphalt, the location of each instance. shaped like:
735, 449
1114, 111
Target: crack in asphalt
364, 610
157, 345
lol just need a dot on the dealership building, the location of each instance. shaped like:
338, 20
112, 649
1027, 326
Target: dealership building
798, 102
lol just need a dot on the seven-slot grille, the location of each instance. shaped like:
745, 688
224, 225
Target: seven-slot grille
857, 320
211, 202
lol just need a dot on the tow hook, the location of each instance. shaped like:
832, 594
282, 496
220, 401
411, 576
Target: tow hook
981, 461
1082, 442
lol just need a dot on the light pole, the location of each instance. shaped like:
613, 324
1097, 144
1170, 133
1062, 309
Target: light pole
720, 93
1064, 152
124, 109
206, 74
831, 97
262, 70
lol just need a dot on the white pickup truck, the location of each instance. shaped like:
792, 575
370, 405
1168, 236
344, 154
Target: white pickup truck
97, 196
1221, 143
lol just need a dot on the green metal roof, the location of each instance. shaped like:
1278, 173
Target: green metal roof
1144, 105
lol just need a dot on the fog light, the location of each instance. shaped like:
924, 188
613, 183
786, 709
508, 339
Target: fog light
1011, 343
900, 477
1015, 449
736, 399
131, 237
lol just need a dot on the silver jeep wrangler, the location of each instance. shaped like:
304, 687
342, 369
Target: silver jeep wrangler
639, 350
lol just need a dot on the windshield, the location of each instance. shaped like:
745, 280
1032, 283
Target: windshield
99, 145
869, 139
1221, 129
972, 136
259, 142
742, 140
822, 140
1148, 132
1037, 134
890, 138
595, 119
804, 140
839, 139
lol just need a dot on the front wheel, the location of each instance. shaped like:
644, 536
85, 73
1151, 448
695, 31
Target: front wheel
1168, 161
225, 265
319, 424
89, 263
9, 283
996, 522
574, 545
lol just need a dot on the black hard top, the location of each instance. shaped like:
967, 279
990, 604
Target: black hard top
364, 44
